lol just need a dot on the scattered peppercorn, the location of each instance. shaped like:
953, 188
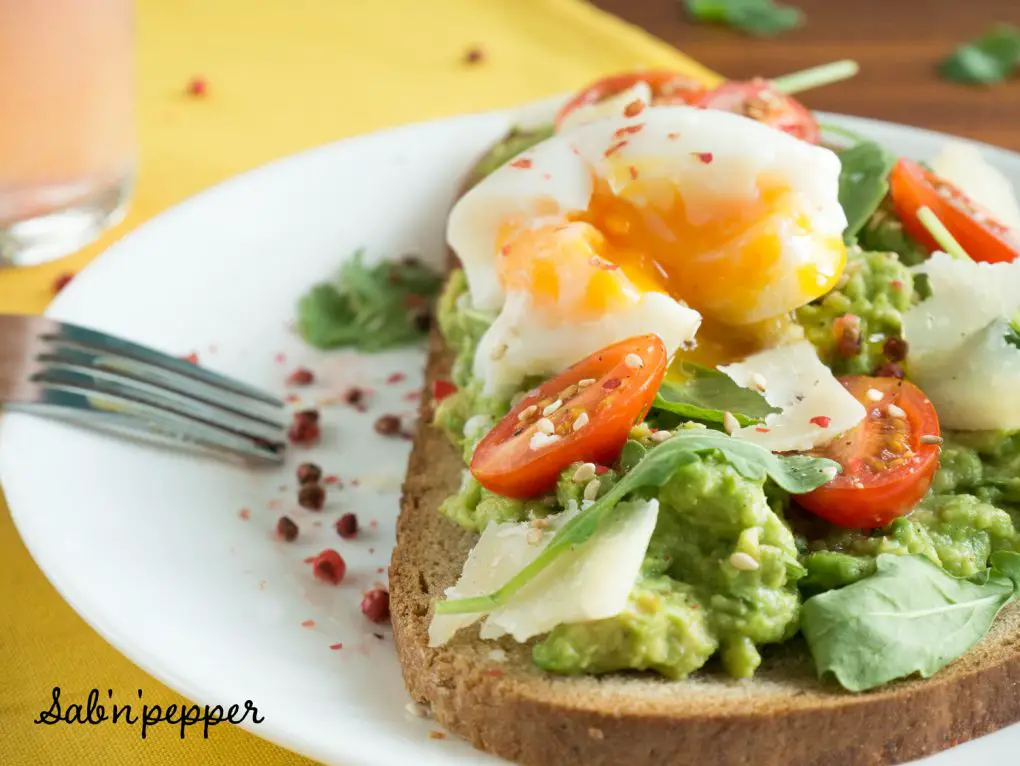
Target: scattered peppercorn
421, 320
308, 473
376, 605
888, 370
305, 428
197, 86
474, 55
354, 395
329, 566
347, 526
312, 497
286, 529
895, 349
62, 281
387, 425
302, 376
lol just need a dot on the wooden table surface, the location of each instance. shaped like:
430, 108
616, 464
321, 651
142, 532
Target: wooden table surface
898, 44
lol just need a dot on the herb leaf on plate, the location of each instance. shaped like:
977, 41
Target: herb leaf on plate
370, 308
988, 60
794, 473
863, 184
909, 617
705, 394
761, 18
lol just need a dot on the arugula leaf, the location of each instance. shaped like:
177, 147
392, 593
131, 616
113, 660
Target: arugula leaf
705, 394
761, 18
909, 617
988, 60
371, 308
1013, 331
794, 473
863, 184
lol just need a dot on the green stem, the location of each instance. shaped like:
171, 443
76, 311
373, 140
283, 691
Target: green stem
815, 77
468, 605
941, 234
853, 135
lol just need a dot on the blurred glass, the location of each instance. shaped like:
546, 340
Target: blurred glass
67, 133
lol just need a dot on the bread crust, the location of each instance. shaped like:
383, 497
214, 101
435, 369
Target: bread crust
501, 703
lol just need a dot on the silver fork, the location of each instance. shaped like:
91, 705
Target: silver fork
62, 370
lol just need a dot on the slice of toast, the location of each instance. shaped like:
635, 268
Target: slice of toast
490, 692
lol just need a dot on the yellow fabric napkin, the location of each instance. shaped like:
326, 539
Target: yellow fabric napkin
281, 76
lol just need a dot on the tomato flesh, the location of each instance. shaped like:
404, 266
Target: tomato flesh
667, 88
888, 460
912, 187
599, 401
758, 100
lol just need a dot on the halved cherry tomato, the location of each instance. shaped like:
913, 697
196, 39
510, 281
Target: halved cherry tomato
758, 100
667, 88
586, 413
912, 187
888, 459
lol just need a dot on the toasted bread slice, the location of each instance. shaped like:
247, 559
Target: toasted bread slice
502, 703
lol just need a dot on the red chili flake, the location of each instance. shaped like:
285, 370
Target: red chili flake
493, 672
505, 250
396, 377
762, 430
634, 108
633, 172
376, 605
302, 376
336, 647
197, 86
672, 136
822, 421
897, 284
286, 529
387, 425
628, 130
704, 157
380, 570
615, 148
244, 513
312, 497
280, 357
523, 163
329, 566
347, 526
547, 176
332, 479
308, 624
612, 383
436, 735
304, 430
412, 396
192, 357
292, 398
62, 281
308, 473
601, 469
474, 55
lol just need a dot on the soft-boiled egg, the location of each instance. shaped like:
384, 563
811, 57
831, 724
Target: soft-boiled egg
654, 222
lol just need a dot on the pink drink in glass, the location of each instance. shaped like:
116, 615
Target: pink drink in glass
67, 134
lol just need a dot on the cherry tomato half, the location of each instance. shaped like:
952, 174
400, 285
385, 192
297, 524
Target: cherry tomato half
758, 100
583, 414
913, 187
888, 464
667, 88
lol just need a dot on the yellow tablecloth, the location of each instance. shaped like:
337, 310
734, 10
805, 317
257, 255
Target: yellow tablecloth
282, 75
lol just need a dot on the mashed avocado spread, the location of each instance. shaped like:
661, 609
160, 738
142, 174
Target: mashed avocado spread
731, 561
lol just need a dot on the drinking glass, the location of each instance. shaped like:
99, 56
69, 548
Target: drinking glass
67, 133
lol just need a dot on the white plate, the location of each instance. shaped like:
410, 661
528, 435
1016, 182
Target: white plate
149, 546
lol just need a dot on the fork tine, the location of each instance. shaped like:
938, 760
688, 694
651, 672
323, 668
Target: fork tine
99, 365
99, 341
140, 400
95, 410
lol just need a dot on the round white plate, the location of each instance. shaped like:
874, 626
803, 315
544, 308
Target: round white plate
152, 547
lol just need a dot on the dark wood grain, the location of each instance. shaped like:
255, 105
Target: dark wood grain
898, 44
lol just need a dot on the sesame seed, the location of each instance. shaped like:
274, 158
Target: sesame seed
896, 411
585, 382
581, 422
585, 472
660, 436
874, 395
745, 562
552, 407
527, 412
931, 439
545, 426
634, 361
591, 489
729, 423
758, 382
539, 440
